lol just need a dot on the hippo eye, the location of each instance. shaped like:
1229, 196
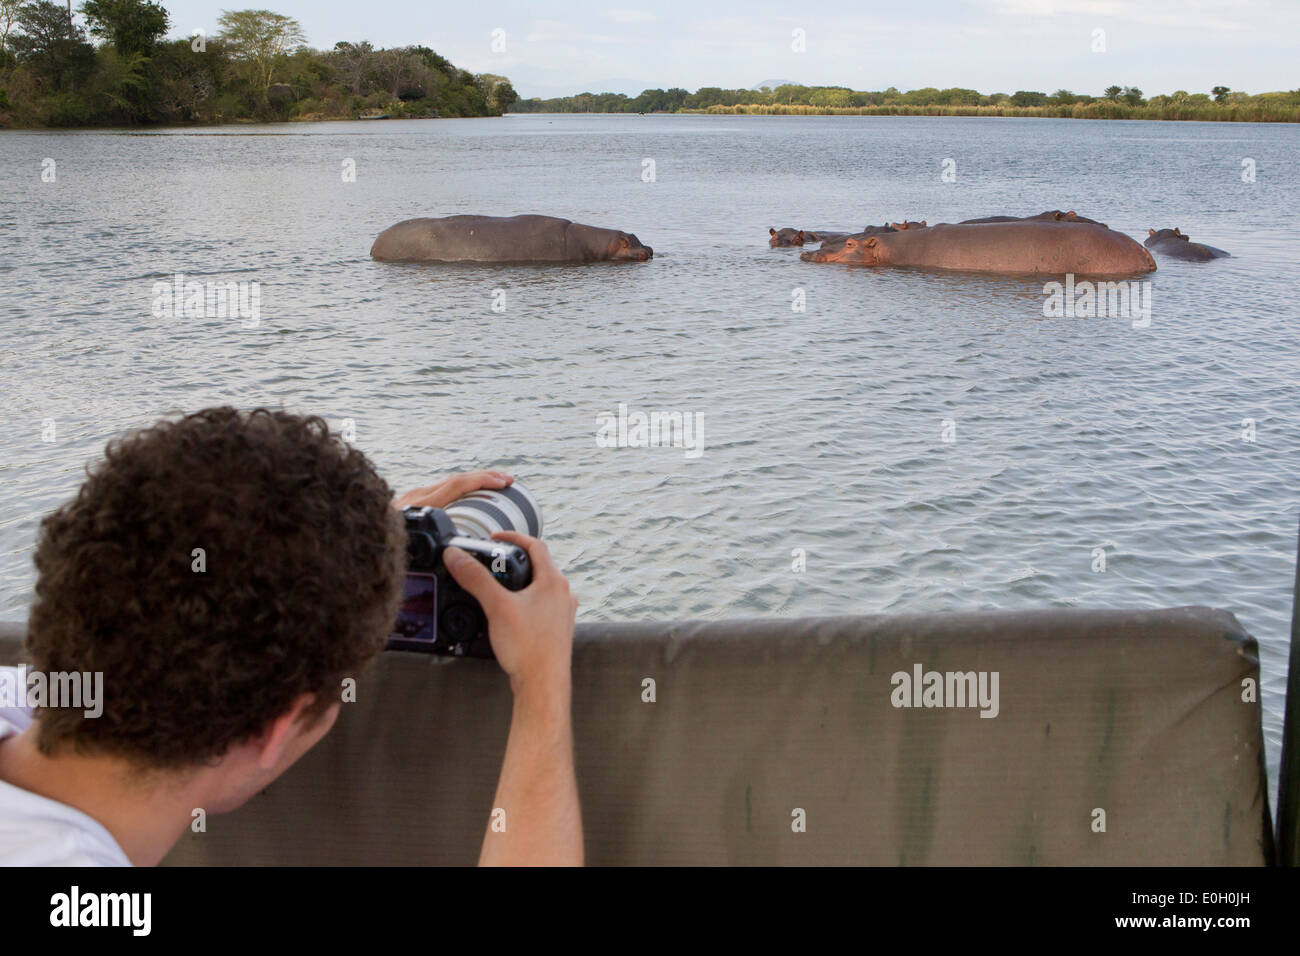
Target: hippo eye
850, 243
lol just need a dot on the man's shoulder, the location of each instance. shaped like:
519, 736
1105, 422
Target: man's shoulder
37, 831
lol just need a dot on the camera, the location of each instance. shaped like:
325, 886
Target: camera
437, 615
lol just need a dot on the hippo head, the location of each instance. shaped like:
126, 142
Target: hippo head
907, 224
628, 247
786, 237
857, 250
1072, 216
1159, 235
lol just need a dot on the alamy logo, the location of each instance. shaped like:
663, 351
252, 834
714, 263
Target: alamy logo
651, 430
1100, 300
32, 689
75, 908
923, 688
181, 299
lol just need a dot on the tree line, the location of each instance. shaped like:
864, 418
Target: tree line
117, 68
1118, 102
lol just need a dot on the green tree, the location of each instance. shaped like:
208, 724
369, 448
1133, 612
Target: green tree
260, 38
133, 26
1028, 98
1220, 93
500, 94
1132, 96
8, 17
53, 46
1113, 92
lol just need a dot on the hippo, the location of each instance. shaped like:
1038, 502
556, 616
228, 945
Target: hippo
797, 237
837, 242
505, 239
1038, 247
1172, 243
1052, 215
906, 224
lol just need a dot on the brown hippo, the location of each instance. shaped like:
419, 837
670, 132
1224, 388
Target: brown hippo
1052, 215
906, 224
1037, 246
797, 237
1172, 243
505, 239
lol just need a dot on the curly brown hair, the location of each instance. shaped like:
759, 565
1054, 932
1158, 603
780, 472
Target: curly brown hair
304, 558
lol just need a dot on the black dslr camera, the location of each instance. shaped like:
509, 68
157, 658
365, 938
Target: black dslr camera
439, 616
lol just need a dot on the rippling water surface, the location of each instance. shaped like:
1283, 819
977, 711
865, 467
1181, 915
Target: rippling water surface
822, 429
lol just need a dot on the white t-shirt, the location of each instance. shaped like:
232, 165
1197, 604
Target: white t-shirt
38, 831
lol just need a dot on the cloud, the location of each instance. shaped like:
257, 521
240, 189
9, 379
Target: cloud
1193, 14
630, 16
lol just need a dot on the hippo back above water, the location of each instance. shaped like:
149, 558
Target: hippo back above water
1052, 215
523, 239
790, 236
1020, 247
1172, 243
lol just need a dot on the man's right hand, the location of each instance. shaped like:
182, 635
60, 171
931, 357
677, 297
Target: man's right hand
536, 819
531, 630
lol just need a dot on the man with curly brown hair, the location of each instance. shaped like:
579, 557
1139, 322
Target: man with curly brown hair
223, 573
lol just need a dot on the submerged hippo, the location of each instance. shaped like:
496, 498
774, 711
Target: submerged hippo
1172, 243
797, 237
906, 224
1052, 215
837, 242
505, 239
1038, 246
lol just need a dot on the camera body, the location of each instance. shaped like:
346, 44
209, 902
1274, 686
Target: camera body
438, 616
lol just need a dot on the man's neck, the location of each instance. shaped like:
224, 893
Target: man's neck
146, 818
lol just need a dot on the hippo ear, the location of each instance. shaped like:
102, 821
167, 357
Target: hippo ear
623, 243
1177, 231
1151, 232
872, 242
922, 222
771, 231
1072, 215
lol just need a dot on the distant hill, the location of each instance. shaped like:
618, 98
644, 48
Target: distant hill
773, 84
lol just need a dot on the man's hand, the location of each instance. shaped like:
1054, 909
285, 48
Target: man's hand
531, 630
444, 492
536, 819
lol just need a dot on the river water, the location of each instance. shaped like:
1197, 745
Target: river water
822, 430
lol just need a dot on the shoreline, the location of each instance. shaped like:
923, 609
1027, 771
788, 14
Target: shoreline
991, 112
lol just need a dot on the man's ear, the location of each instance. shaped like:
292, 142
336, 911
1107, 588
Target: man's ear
276, 736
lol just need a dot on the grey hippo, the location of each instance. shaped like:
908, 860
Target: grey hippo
1172, 243
522, 239
1052, 215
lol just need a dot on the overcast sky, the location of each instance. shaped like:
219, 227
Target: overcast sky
554, 49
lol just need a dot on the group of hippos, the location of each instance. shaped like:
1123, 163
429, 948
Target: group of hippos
1052, 242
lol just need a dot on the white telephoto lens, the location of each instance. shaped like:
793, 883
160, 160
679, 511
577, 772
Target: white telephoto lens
484, 512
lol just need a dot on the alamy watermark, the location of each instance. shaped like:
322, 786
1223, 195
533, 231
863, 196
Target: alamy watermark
636, 429
922, 688
1128, 299
182, 299
32, 689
